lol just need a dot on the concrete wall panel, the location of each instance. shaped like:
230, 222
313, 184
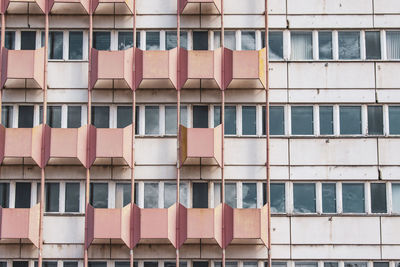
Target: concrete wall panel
330, 7
336, 252
332, 96
333, 173
72, 229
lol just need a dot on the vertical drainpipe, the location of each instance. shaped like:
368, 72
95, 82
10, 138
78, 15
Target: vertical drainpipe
223, 129
178, 131
3, 37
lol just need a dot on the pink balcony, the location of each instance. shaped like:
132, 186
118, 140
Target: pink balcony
203, 143
206, 7
117, 7
112, 69
22, 68
20, 225
25, 6
69, 6
156, 69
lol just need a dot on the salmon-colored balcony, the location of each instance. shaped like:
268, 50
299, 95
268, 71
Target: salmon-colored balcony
206, 7
200, 143
204, 225
156, 69
20, 225
69, 6
117, 7
22, 68
112, 69
25, 6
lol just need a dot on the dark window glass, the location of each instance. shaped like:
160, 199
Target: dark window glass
173, 264
20, 263
375, 120
75, 45
381, 264
52, 197
230, 118
152, 119
124, 117
70, 264
306, 264
200, 264
152, 40
276, 120
53, 116
72, 194
46, 264
325, 45
25, 116
97, 264
325, 120
10, 40
378, 198
396, 198
350, 120
248, 120
248, 40
373, 45
275, 44
22, 195
200, 195
102, 40
231, 264
349, 45
55, 49
74, 116
329, 198
276, 264
353, 198
150, 264
99, 195
101, 116
200, 40
4, 194
304, 197
331, 264
170, 40
170, 119
151, 193
302, 120
277, 197
394, 120
200, 116
28, 40
7, 116
355, 264
249, 195
125, 40
123, 195
125, 264
3, 264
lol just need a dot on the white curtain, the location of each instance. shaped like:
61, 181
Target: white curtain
301, 43
393, 44
396, 197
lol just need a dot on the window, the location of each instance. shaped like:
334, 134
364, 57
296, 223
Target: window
70, 264
171, 42
350, 120
229, 39
125, 40
170, 119
3, 264
375, 120
275, 46
72, 195
47, 264
7, 116
124, 117
151, 195
248, 40
227, 264
74, 116
301, 45
306, 264
55, 50
329, 198
349, 45
101, 116
394, 119
331, 264
20, 263
276, 120
4, 194
123, 194
326, 120
355, 264
381, 264
10, 40
97, 264
200, 264
28, 40
249, 195
102, 40
353, 198
52, 196
304, 197
396, 198
75, 45
150, 264
230, 194
200, 116
378, 198
250, 264
99, 195
173, 264
53, 116
200, 40
302, 120
325, 45
152, 120
230, 119
393, 44
200, 195
248, 120
25, 116
126, 264
22, 195
170, 194
277, 197
373, 45
152, 40
276, 264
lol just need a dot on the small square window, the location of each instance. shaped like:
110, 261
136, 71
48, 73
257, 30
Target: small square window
350, 120
170, 194
152, 40
301, 44
151, 195
230, 194
99, 195
200, 195
230, 119
101, 116
302, 120
229, 42
349, 45
102, 40
125, 40
74, 116
276, 120
353, 198
53, 116
28, 40
25, 116
171, 42
248, 40
123, 194
200, 40
304, 197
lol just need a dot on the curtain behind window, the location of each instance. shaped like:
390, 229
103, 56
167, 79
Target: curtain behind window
393, 44
301, 45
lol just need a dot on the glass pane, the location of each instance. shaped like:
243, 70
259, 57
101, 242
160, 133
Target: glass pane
353, 198
152, 40
375, 120
123, 194
277, 197
102, 40
302, 120
20, 264
304, 197
326, 120
393, 44
350, 120
70, 264
125, 40
373, 45
248, 120
230, 118
396, 198
10, 40
124, 116
75, 45
126, 264
150, 264
170, 40
331, 264
22, 195
378, 198
200, 40
152, 120
302, 48
101, 116
306, 264
4, 194
381, 264
325, 45
355, 264
74, 117
249, 195
72, 195
200, 264
394, 119
276, 120
227, 264
97, 264
173, 264
7, 116
329, 198
170, 194
250, 264
275, 45
170, 118
99, 195
151, 195
200, 195
25, 116
52, 197
230, 194
229, 42
55, 45
28, 40
200, 116
53, 116
349, 45
248, 40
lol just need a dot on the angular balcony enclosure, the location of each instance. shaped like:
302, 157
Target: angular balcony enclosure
25, 6
112, 69
108, 7
22, 68
204, 7
20, 225
69, 6
200, 143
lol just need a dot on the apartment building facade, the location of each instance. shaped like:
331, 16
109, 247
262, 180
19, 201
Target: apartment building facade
329, 165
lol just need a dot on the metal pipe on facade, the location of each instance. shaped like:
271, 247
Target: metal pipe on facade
3, 37
223, 129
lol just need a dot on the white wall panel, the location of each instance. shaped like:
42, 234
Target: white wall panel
387, 75
336, 252
333, 173
332, 96
330, 21
155, 151
329, 7
74, 74
389, 151
390, 230
63, 229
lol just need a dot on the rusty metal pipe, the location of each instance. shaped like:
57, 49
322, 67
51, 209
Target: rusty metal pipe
178, 132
